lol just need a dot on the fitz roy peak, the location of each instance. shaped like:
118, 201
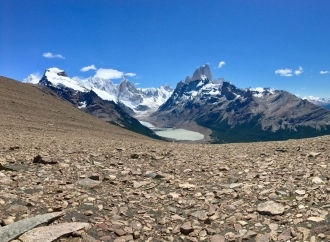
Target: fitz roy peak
238, 115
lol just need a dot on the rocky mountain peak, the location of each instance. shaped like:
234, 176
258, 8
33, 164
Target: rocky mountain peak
32, 78
202, 73
126, 85
56, 71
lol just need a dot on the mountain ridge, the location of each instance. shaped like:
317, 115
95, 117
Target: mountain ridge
141, 100
89, 100
267, 111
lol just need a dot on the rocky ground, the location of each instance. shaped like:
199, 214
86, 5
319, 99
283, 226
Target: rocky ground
96, 182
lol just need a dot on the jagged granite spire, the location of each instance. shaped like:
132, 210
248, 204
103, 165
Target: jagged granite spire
202, 73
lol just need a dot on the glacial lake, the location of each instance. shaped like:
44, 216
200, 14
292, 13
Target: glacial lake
172, 133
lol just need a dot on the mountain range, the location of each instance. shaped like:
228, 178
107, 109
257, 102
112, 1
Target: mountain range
101, 98
215, 107
323, 102
238, 115
142, 101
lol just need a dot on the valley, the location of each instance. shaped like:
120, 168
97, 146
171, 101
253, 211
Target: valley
216, 109
57, 160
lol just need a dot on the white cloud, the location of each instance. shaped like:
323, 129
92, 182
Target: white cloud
87, 68
284, 72
130, 74
221, 64
108, 74
50, 55
299, 71
324, 72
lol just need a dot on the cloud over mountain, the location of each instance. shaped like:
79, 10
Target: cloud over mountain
221, 64
87, 68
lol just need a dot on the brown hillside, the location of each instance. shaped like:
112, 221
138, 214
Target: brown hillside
36, 108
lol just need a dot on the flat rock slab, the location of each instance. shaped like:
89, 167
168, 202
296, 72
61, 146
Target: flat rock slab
187, 186
270, 208
51, 233
88, 182
137, 184
315, 219
317, 180
14, 230
217, 238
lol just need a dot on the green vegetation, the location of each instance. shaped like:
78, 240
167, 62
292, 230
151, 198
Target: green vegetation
290, 198
251, 131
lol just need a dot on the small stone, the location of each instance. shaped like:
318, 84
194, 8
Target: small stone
186, 186
210, 231
177, 217
270, 208
313, 154
217, 238
317, 180
186, 228
300, 192
44, 159
249, 235
88, 212
285, 235
137, 184
88, 183
202, 233
315, 219
263, 238
8, 221
136, 235
95, 177
120, 232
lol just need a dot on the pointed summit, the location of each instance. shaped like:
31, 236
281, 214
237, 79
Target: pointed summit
32, 78
202, 73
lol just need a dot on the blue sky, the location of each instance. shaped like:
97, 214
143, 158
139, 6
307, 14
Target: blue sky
274, 43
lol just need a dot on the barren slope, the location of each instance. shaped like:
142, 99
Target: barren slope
36, 108
272, 191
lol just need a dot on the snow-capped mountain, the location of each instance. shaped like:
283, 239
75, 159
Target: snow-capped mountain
94, 96
141, 100
235, 114
32, 78
323, 102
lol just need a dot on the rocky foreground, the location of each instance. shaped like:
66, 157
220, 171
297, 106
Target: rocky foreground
80, 179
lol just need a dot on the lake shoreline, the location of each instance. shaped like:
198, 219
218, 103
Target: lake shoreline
175, 134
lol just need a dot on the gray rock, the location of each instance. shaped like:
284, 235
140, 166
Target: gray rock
51, 233
317, 180
44, 159
88, 182
217, 238
186, 228
154, 175
262, 238
14, 230
270, 208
